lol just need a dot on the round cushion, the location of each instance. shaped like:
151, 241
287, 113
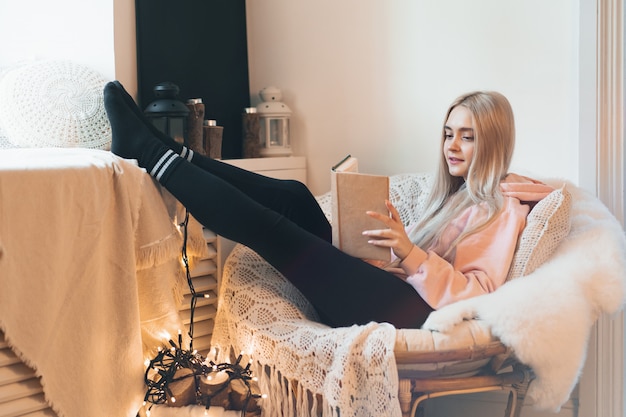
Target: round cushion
53, 103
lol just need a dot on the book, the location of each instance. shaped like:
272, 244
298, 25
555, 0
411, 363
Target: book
352, 194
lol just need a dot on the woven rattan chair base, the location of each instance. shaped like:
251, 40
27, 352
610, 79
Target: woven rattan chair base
498, 371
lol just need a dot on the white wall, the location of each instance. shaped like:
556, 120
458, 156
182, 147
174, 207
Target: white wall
70, 29
96, 33
374, 78
125, 44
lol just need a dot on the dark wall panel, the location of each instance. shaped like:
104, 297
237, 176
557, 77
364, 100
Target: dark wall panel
201, 46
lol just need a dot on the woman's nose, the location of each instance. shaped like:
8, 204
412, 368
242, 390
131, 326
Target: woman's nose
454, 144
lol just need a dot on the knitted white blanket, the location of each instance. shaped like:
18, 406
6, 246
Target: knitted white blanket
263, 316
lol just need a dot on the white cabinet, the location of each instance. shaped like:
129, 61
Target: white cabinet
289, 167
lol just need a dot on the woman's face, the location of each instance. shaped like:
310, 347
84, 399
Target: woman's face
458, 144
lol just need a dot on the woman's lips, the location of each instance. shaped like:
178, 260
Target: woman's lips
454, 161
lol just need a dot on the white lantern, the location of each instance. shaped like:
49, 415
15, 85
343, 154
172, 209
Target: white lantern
274, 123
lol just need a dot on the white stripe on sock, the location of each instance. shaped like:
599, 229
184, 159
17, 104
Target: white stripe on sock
161, 161
165, 166
186, 153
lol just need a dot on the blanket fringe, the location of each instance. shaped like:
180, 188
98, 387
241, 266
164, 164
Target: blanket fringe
164, 250
289, 398
158, 252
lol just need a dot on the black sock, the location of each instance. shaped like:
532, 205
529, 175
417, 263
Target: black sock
130, 103
177, 147
132, 139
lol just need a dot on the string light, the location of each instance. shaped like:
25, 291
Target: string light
168, 361
161, 371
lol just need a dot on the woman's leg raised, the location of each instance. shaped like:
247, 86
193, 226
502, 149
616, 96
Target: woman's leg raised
290, 198
344, 290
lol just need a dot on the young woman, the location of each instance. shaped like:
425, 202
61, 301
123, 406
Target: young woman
462, 247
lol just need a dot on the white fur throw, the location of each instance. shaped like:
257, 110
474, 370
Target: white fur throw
547, 316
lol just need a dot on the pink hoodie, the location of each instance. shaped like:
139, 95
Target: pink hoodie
481, 261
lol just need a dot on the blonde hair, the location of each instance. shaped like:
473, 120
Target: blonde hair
494, 141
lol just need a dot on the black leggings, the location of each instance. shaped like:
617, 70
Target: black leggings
282, 222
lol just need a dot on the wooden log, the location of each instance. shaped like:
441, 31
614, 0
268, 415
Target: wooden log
182, 389
216, 389
240, 392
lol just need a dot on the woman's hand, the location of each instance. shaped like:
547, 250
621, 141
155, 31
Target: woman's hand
394, 236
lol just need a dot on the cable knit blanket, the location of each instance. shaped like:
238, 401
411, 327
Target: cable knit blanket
88, 260
311, 368
308, 369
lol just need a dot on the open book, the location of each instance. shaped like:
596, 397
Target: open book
352, 194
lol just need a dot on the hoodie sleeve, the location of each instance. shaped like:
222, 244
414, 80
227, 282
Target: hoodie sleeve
481, 261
